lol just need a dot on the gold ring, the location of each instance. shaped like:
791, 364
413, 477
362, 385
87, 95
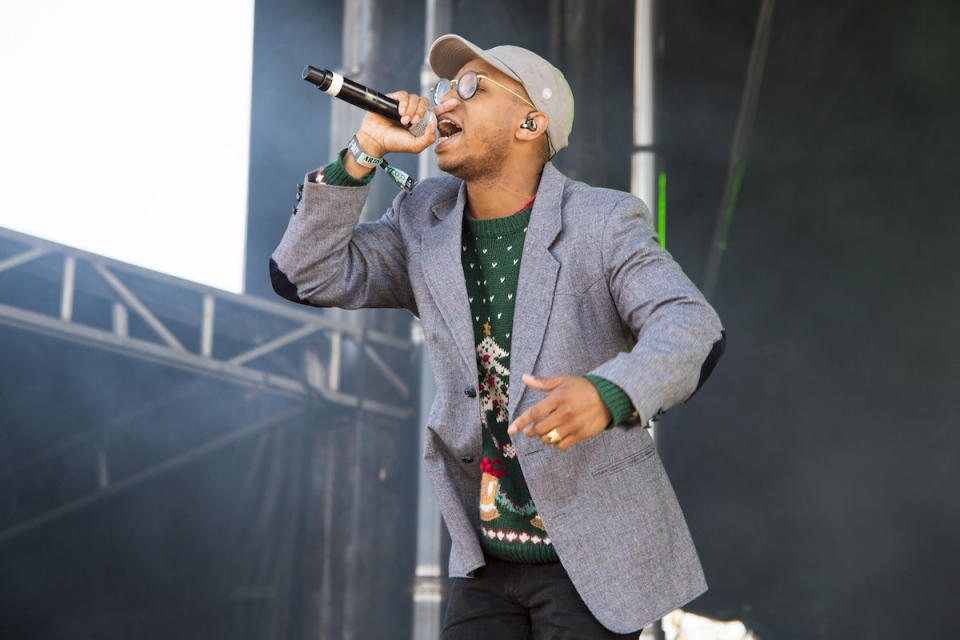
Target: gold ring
554, 436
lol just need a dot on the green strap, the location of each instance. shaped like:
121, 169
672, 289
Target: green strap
403, 180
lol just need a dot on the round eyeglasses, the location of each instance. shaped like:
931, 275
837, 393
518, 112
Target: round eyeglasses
467, 85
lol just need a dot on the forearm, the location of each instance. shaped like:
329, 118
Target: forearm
678, 334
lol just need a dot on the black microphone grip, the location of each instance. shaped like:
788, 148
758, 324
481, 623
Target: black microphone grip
352, 92
358, 95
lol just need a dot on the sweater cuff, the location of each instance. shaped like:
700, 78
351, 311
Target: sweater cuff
335, 174
615, 398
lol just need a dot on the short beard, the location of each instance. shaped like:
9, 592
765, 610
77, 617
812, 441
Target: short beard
486, 167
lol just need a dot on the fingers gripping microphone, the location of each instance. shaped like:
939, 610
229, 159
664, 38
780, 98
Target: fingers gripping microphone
360, 96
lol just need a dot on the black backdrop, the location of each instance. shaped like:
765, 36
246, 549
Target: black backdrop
817, 466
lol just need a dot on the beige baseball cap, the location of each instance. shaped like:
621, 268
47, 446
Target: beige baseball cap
544, 83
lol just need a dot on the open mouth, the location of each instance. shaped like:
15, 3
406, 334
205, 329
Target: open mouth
447, 128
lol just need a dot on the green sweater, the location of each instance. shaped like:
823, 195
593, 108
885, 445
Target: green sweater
511, 529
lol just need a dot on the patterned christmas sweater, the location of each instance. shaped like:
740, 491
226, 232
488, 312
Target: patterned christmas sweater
491, 252
510, 527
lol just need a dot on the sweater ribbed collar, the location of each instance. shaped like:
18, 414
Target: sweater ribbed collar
514, 223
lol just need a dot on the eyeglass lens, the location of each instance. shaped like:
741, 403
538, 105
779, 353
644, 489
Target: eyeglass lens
442, 89
466, 87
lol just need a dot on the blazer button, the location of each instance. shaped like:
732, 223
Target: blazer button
470, 392
467, 458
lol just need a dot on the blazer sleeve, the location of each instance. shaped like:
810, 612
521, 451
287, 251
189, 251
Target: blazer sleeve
679, 337
327, 259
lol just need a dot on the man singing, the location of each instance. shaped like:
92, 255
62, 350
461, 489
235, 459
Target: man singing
556, 326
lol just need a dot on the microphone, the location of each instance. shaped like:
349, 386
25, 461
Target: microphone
360, 96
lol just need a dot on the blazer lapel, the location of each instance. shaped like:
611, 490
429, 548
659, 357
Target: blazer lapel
443, 272
536, 284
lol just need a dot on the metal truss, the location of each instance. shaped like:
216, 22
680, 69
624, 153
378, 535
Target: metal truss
272, 349
245, 365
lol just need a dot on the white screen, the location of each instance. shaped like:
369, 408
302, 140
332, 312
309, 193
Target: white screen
125, 128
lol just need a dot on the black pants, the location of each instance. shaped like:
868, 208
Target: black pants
514, 601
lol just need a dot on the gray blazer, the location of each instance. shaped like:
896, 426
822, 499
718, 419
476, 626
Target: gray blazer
596, 294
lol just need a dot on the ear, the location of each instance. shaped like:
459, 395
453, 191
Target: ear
527, 134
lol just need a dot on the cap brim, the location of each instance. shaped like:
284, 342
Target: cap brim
450, 52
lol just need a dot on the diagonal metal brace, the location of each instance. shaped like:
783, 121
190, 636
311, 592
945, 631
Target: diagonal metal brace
274, 344
394, 379
137, 306
20, 258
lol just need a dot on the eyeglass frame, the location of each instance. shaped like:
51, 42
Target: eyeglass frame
456, 83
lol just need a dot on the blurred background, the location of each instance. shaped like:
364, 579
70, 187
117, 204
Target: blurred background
185, 455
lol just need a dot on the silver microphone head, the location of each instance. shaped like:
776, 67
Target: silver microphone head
421, 126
